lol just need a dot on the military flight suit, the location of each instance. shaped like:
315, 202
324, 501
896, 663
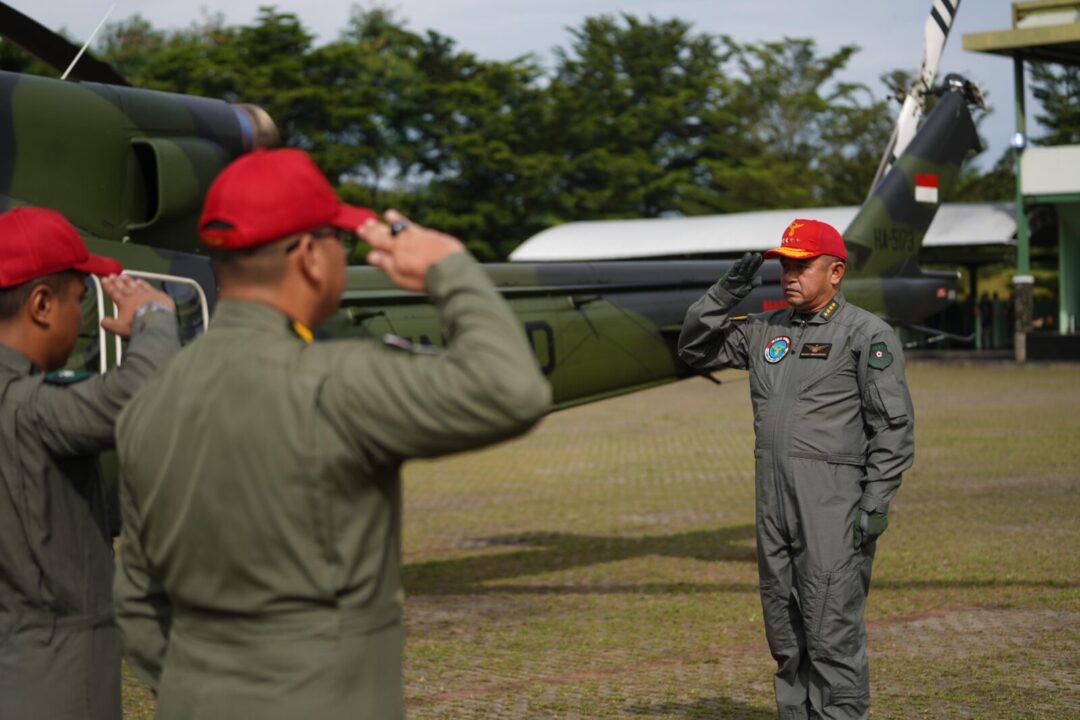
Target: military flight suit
59, 646
261, 496
833, 422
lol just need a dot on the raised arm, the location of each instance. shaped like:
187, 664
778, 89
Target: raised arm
483, 387
710, 339
78, 419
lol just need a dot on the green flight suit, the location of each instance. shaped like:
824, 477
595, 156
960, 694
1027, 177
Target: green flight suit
834, 423
261, 498
59, 646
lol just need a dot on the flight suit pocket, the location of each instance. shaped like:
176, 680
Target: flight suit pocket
837, 372
887, 400
840, 614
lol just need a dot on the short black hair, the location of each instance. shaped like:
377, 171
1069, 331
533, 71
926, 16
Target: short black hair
258, 264
13, 298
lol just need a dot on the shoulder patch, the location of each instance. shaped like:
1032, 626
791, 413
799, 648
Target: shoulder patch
880, 357
405, 345
67, 377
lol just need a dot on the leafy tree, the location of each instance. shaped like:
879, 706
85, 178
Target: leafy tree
808, 140
638, 118
1057, 89
998, 184
633, 104
496, 176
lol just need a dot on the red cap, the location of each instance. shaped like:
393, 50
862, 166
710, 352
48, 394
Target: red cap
807, 239
35, 242
270, 194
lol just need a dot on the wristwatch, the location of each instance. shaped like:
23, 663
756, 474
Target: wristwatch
149, 307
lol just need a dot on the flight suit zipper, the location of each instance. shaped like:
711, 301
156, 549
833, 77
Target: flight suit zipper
797, 329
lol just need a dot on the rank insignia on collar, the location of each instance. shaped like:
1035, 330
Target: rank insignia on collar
302, 331
829, 309
817, 351
880, 357
777, 348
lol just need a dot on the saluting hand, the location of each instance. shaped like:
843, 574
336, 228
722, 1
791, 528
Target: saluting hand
128, 294
738, 278
406, 256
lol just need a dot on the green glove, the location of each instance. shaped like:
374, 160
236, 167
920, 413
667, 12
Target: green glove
868, 526
737, 280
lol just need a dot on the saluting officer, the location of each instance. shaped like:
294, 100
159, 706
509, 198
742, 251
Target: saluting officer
59, 646
261, 496
834, 427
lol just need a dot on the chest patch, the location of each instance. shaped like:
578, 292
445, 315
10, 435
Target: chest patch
777, 348
815, 351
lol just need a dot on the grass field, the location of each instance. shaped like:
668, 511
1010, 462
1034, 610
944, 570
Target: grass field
604, 567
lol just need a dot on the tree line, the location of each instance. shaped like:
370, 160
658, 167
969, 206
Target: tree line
636, 118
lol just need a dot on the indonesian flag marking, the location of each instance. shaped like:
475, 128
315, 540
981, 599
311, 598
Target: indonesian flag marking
926, 188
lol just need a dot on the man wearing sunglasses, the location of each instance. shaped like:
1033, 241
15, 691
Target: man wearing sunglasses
261, 499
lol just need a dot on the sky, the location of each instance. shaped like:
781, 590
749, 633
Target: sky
888, 31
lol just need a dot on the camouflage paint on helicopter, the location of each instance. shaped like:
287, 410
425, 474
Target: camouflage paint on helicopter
120, 163
130, 167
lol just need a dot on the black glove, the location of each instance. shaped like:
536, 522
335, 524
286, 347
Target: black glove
868, 526
738, 278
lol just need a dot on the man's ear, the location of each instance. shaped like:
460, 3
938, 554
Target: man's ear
307, 258
41, 304
837, 272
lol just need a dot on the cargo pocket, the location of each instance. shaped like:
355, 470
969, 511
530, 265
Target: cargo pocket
839, 626
887, 398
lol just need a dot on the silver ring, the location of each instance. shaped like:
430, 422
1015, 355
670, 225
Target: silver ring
397, 227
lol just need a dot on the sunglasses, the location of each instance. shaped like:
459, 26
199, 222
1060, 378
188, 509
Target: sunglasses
348, 239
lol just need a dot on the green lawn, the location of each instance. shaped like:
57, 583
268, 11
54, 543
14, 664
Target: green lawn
604, 566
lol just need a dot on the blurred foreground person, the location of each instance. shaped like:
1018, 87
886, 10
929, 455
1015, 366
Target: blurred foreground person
59, 646
261, 495
834, 430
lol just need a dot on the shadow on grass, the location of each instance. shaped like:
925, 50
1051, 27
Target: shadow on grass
552, 552
716, 708
972, 584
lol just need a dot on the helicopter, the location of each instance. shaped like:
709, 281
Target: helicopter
129, 167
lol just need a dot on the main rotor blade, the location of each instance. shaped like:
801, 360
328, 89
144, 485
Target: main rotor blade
53, 49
